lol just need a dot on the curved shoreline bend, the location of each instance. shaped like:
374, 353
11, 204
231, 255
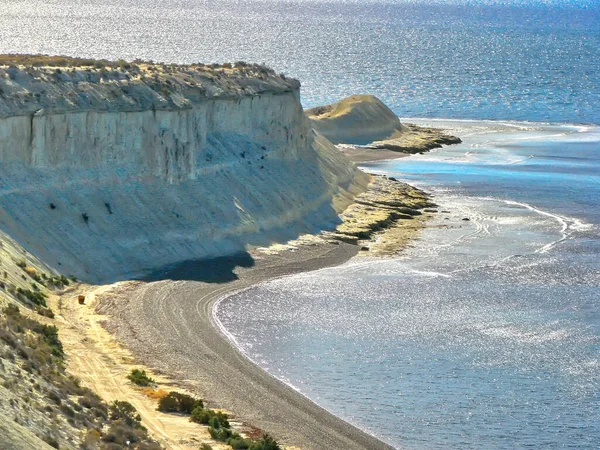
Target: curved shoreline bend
168, 325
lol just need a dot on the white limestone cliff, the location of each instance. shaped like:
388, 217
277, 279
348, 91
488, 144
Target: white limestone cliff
109, 173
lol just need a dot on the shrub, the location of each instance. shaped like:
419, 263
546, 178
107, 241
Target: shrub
125, 429
222, 434
140, 378
46, 312
168, 404
239, 443
50, 333
52, 395
60, 281
67, 410
210, 417
90, 400
122, 410
39, 298
265, 443
180, 403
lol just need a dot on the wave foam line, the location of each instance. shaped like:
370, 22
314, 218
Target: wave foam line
568, 224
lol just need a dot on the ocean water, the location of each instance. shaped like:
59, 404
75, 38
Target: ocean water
485, 333
495, 59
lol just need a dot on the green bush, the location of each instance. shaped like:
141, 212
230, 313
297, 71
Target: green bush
236, 441
222, 434
168, 404
39, 298
50, 333
176, 402
140, 378
210, 417
125, 411
239, 443
265, 443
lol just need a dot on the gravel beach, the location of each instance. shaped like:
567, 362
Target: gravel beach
168, 325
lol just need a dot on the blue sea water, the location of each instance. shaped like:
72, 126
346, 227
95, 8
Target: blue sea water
504, 59
485, 333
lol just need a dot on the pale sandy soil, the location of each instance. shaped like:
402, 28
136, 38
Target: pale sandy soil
103, 364
168, 329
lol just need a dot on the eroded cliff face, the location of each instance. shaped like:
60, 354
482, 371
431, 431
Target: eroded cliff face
110, 178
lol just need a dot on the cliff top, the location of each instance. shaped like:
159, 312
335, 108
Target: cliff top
32, 84
348, 105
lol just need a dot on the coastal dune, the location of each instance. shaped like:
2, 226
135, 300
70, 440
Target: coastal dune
357, 120
370, 130
130, 169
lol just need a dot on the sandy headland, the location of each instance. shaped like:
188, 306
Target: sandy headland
367, 130
164, 188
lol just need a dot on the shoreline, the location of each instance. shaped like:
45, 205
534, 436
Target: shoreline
232, 380
416, 139
182, 342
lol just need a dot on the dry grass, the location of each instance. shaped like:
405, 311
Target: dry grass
55, 61
155, 394
18, 59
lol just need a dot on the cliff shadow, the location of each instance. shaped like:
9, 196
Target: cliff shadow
212, 270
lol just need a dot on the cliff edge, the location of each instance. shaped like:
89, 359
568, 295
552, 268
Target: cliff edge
111, 170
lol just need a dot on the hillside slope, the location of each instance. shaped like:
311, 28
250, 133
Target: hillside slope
366, 125
358, 120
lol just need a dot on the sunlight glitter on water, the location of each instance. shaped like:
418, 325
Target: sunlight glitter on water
484, 333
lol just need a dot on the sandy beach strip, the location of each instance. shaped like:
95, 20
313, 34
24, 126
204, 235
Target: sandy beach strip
363, 154
169, 326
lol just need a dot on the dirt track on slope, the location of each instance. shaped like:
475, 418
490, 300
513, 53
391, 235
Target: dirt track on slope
168, 326
102, 364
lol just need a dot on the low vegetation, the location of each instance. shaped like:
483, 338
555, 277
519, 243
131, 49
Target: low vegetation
66, 62
52, 404
176, 402
217, 422
140, 378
